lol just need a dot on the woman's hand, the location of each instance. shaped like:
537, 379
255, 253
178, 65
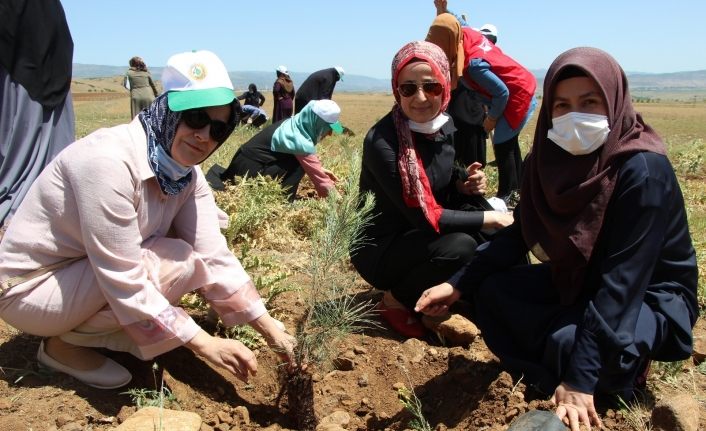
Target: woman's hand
229, 354
496, 219
476, 183
331, 175
436, 300
575, 408
278, 340
489, 124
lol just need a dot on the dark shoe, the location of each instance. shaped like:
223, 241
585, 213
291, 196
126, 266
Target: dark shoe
213, 177
402, 320
537, 420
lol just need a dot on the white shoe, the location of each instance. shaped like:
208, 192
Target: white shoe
110, 375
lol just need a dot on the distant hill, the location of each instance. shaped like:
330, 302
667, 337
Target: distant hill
677, 85
241, 79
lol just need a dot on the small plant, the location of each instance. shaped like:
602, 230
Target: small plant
332, 312
245, 334
413, 405
142, 397
161, 397
267, 276
669, 372
634, 414
701, 368
251, 204
20, 373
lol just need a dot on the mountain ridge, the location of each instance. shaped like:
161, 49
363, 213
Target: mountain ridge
687, 83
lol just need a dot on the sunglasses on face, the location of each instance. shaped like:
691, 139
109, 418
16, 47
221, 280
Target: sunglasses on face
197, 119
409, 89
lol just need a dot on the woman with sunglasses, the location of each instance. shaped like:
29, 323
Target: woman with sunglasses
429, 214
120, 226
286, 150
602, 210
505, 86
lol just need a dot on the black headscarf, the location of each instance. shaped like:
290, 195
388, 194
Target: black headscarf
36, 48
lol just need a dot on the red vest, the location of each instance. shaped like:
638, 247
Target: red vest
519, 81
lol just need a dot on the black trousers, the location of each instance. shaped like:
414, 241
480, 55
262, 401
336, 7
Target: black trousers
509, 161
414, 261
469, 143
522, 322
241, 165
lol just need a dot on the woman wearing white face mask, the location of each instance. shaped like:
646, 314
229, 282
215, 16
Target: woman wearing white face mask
428, 214
602, 209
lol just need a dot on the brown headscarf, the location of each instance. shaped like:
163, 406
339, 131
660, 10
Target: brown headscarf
564, 197
445, 32
416, 189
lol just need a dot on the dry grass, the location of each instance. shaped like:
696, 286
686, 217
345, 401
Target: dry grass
682, 126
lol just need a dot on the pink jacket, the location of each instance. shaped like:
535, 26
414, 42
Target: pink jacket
99, 198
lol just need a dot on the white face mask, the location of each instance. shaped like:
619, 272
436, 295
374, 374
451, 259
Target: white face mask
579, 133
429, 127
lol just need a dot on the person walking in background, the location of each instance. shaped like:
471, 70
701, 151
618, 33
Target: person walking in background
286, 149
506, 87
36, 111
601, 209
317, 86
283, 94
429, 214
142, 89
252, 97
120, 226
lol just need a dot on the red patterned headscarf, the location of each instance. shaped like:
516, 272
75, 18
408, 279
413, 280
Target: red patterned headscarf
416, 189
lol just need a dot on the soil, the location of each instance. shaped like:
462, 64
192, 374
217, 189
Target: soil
460, 388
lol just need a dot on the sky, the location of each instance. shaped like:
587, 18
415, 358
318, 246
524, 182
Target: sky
652, 36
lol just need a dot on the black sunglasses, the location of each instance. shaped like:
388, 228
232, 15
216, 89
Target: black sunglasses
409, 89
197, 119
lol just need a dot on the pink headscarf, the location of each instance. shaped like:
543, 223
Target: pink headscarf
416, 189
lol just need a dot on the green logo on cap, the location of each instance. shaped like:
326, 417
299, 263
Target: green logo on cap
198, 71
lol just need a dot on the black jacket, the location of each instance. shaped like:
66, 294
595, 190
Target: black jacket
319, 85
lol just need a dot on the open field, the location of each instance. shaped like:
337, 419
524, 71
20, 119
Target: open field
460, 387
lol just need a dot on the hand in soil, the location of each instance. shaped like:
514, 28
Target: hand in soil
436, 300
278, 340
229, 354
575, 407
283, 344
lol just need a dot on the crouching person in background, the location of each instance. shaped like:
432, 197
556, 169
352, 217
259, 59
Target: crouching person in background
286, 149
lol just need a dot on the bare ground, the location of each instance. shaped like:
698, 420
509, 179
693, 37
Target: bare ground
460, 388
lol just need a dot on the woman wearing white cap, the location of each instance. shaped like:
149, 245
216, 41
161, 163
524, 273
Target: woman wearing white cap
88, 262
283, 95
285, 149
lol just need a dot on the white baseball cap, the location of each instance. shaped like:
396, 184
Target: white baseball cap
489, 29
340, 71
330, 112
282, 69
196, 79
